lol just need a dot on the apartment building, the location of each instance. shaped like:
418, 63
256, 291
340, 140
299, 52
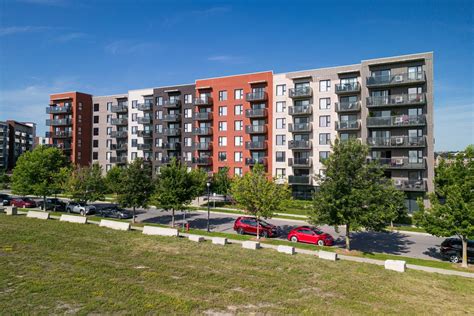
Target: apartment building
15, 139
4, 140
70, 125
140, 118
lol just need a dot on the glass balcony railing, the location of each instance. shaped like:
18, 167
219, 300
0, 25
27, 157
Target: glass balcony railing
118, 160
119, 147
145, 134
300, 128
56, 109
256, 129
121, 108
299, 144
304, 180
144, 146
256, 96
348, 125
303, 92
202, 131
347, 88
348, 106
118, 134
396, 100
171, 117
119, 121
300, 110
202, 160
254, 161
202, 146
172, 103
203, 100
171, 146
59, 134
411, 185
256, 113
145, 107
402, 163
397, 141
300, 162
202, 116
397, 121
144, 120
59, 122
397, 79
256, 145
171, 131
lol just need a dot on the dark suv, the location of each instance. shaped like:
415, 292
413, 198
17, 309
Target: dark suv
451, 249
53, 204
248, 225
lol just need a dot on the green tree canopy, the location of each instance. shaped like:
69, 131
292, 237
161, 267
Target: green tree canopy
258, 194
354, 192
86, 183
221, 182
113, 180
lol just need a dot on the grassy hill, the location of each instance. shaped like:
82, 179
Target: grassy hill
53, 267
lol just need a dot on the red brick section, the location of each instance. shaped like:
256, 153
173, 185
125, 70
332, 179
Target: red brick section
231, 83
81, 116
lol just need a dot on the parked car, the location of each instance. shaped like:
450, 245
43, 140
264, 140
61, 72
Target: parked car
311, 235
23, 202
114, 212
451, 249
80, 208
5, 199
248, 225
53, 204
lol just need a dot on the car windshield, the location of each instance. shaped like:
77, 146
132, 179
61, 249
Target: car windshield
263, 223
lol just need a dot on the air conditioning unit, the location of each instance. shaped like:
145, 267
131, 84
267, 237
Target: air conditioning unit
399, 99
398, 78
399, 140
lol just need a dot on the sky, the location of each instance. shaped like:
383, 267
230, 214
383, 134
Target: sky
107, 47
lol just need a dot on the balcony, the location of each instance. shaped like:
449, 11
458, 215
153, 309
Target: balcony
256, 129
144, 146
348, 106
144, 120
411, 185
171, 118
397, 142
256, 96
119, 121
396, 80
204, 100
202, 116
202, 160
145, 107
172, 103
396, 100
256, 113
300, 162
59, 122
59, 134
300, 110
304, 180
299, 144
202, 131
348, 125
121, 108
202, 146
56, 109
402, 163
347, 88
300, 93
171, 131
397, 121
254, 161
145, 134
118, 134
118, 160
65, 147
300, 128
256, 145
171, 146
119, 147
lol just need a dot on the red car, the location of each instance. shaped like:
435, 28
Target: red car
23, 202
248, 225
310, 235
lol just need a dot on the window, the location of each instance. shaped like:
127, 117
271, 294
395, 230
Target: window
238, 157
323, 155
158, 128
324, 85
280, 156
109, 143
280, 89
96, 131
238, 109
188, 156
96, 119
415, 73
95, 143
324, 121
134, 155
96, 107
222, 111
108, 167
134, 104
238, 125
134, 142
109, 130
188, 113
222, 126
188, 98
324, 138
109, 106
159, 100
280, 123
134, 117
109, 118
134, 130
159, 115
280, 107
188, 141
188, 127
222, 156
238, 171
238, 141
95, 155
280, 173
80, 106
325, 104
222, 141
281, 140
222, 95
238, 94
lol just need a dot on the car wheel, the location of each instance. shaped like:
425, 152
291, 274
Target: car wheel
294, 239
454, 259
240, 231
321, 242
264, 234
83, 213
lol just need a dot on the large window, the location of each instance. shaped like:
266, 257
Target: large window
280, 123
222, 126
238, 109
325, 103
222, 95
324, 85
280, 173
238, 94
222, 156
222, 141
280, 156
280, 89
222, 111
281, 140
238, 141
324, 121
324, 138
238, 125
280, 107
238, 157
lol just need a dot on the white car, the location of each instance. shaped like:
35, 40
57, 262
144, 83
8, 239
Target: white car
80, 208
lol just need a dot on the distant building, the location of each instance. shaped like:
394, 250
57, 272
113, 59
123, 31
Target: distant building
15, 139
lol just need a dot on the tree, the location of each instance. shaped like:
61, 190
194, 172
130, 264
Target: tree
136, 185
452, 206
176, 187
113, 180
221, 182
4, 179
354, 191
40, 172
259, 195
86, 183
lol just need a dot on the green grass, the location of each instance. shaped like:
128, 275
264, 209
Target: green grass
51, 267
296, 207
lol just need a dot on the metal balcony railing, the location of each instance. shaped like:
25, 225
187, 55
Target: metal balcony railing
299, 144
256, 129
300, 110
347, 125
303, 92
256, 145
202, 116
59, 122
411, 185
204, 100
348, 106
256, 113
396, 79
57, 109
397, 141
300, 162
347, 88
396, 100
300, 128
254, 161
304, 180
397, 121
256, 96
119, 121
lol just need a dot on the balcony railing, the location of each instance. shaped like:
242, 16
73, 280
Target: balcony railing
55, 109
119, 121
300, 110
402, 163
118, 134
144, 146
202, 131
300, 128
304, 180
171, 117
119, 147
202, 146
347, 88
121, 108
397, 79
348, 125
299, 144
256, 96
59, 134
397, 141
172, 103
256, 113
171, 131
202, 160
65, 147
396, 100
202, 116
59, 122
411, 185
254, 161
203, 101
145, 107
348, 106
256, 145
300, 162
397, 121
304, 92
256, 129
144, 120
145, 134
118, 160
171, 146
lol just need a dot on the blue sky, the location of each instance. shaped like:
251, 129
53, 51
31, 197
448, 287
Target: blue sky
107, 47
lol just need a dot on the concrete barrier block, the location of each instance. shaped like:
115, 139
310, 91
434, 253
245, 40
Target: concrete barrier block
286, 249
11, 210
73, 219
251, 245
395, 265
160, 231
37, 214
219, 241
114, 224
327, 255
196, 238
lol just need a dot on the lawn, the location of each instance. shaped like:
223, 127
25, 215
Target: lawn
296, 207
51, 267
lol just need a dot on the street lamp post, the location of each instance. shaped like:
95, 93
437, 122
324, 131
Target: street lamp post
208, 184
